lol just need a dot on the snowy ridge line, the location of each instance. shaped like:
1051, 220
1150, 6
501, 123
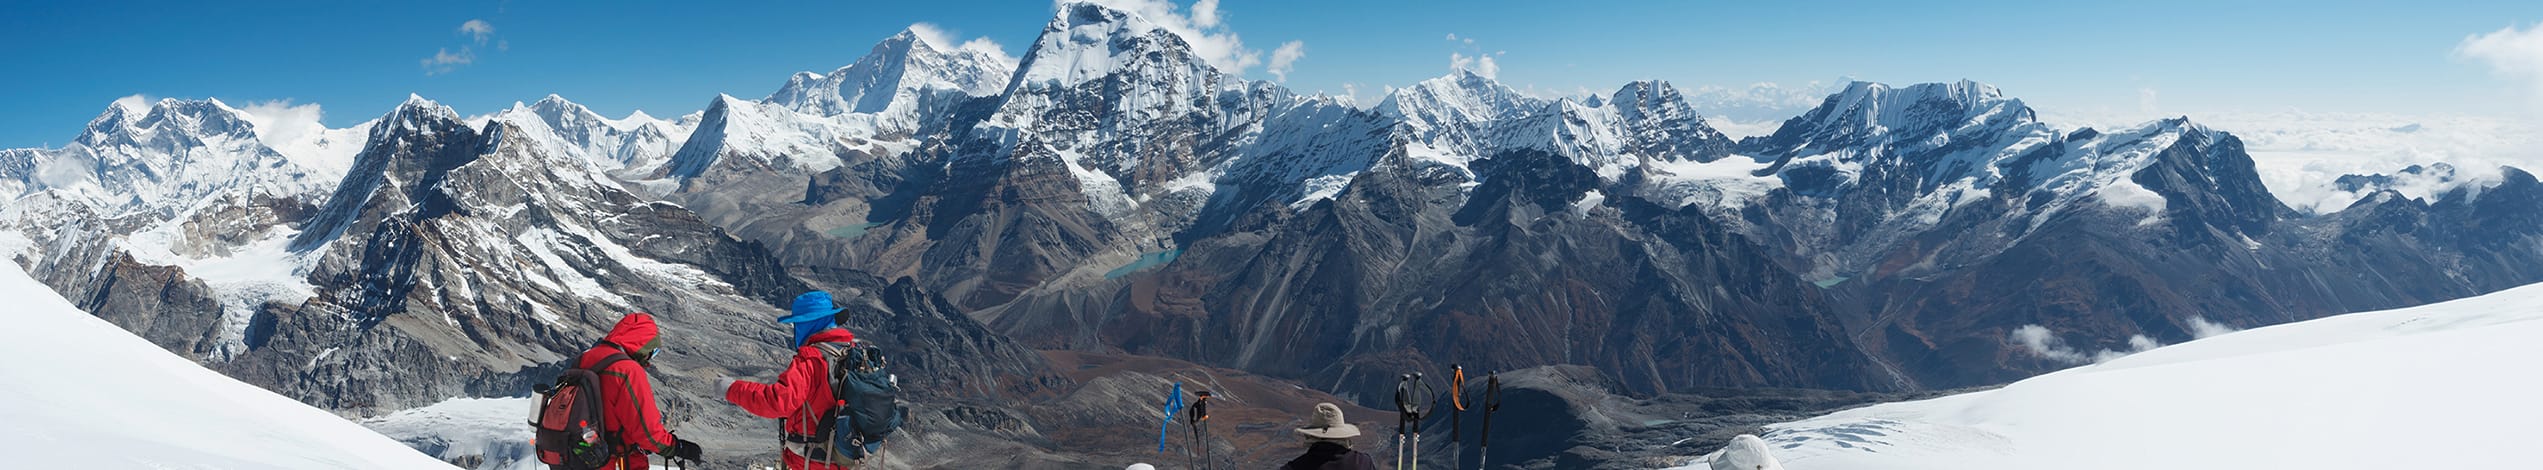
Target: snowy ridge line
2334, 392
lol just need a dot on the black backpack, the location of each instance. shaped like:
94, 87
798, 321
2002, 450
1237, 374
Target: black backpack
571, 434
868, 408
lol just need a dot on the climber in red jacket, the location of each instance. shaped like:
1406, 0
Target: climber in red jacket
805, 382
627, 404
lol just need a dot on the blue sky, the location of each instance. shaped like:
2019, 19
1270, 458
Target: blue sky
357, 59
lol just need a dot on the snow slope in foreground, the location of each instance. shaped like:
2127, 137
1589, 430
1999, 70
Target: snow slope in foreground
2450, 385
77, 392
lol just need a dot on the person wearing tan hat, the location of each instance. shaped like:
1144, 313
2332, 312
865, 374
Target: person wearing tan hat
1329, 443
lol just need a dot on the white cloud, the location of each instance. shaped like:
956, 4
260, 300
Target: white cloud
2202, 329
279, 123
134, 105
480, 30
1205, 13
443, 61
2511, 52
2146, 101
1284, 57
1468, 57
1452, 36
1480, 64
1742, 130
2300, 154
2039, 341
984, 45
939, 38
935, 37
1203, 30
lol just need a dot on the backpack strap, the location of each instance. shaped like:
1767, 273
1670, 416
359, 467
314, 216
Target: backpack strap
603, 367
816, 447
833, 352
612, 358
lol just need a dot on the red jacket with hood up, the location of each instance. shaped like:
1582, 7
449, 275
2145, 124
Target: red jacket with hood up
627, 403
805, 381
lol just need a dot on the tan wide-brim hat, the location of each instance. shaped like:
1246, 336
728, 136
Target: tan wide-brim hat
1328, 424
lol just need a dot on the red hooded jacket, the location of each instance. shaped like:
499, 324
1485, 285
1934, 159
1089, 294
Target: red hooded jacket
626, 395
805, 381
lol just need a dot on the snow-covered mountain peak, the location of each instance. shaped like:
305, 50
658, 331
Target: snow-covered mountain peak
894, 76
1917, 110
1656, 121
1871, 119
1087, 41
1458, 97
184, 120
770, 134
415, 113
1650, 100
562, 114
564, 128
164, 158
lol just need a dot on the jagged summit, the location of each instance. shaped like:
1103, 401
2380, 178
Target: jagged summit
1087, 41
1459, 97
894, 76
122, 124
629, 147
1662, 124
1871, 111
415, 113
161, 159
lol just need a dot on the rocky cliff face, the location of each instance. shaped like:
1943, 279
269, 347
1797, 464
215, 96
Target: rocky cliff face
1120, 195
456, 260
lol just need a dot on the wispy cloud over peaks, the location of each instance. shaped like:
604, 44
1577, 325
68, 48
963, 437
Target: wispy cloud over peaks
940, 38
1202, 29
1473, 58
2512, 53
444, 61
1285, 57
1480, 64
479, 32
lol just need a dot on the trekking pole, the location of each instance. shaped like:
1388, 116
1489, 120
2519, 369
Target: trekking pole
1201, 428
1491, 403
1409, 399
1403, 385
1456, 416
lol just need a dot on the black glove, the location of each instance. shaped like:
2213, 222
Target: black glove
684, 450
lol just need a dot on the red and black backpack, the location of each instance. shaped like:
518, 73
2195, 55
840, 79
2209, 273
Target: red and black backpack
571, 432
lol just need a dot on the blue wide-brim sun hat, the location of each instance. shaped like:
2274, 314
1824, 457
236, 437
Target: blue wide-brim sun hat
811, 313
